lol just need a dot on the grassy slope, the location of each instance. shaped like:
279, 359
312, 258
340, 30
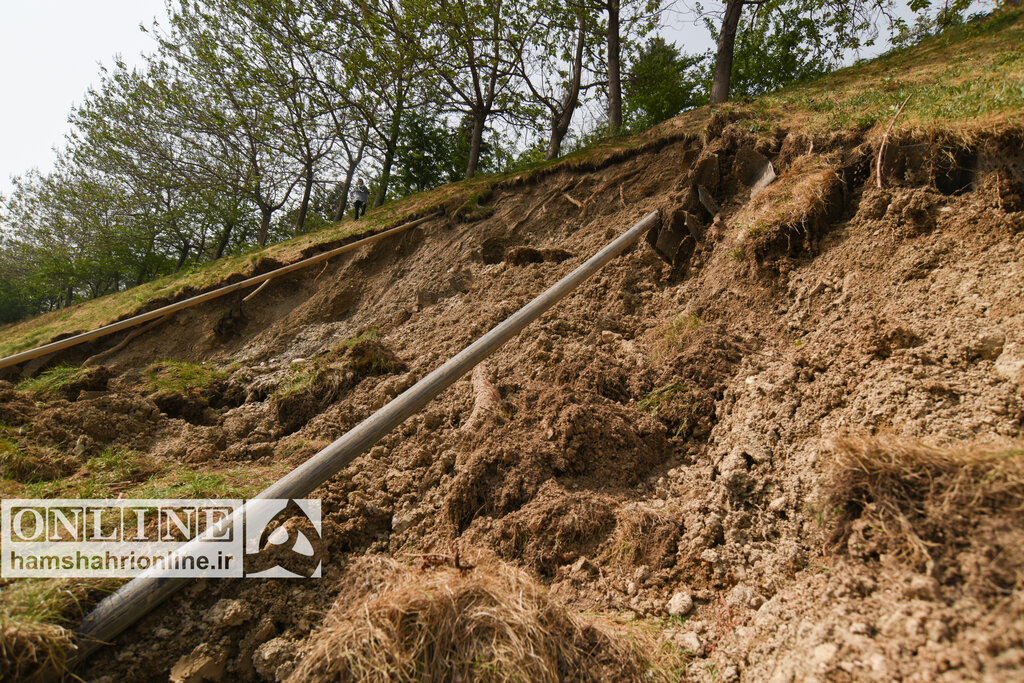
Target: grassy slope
968, 80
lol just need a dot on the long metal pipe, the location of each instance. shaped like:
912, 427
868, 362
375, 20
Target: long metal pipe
137, 597
67, 343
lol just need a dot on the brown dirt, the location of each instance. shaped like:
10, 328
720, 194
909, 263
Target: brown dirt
665, 437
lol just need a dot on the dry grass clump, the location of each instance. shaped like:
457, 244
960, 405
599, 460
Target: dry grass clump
643, 536
787, 216
33, 615
928, 505
30, 464
27, 647
488, 623
800, 194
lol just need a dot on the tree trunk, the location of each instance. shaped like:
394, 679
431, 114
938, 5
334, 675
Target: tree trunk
225, 238
475, 144
353, 164
265, 225
389, 153
346, 187
201, 247
144, 267
560, 123
726, 46
614, 71
306, 192
555, 142
186, 247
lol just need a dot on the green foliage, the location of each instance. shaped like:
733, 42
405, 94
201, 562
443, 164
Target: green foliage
931, 18
430, 153
663, 82
786, 41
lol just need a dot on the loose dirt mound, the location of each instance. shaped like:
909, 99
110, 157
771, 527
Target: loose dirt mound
591, 443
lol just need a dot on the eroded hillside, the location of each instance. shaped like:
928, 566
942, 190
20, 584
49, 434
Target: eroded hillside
794, 455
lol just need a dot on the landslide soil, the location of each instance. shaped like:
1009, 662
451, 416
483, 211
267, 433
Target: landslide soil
665, 435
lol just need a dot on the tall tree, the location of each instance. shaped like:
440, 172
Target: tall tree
835, 27
661, 83
382, 49
119, 140
229, 102
560, 48
614, 67
331, 52
478, 64
623, 24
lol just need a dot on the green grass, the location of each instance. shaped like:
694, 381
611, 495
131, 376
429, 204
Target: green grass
659, 398
190, 484
181, 377
974, 73
115, 464
680, 329
371, 334
49, 383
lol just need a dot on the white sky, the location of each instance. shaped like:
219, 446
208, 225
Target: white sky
50, 52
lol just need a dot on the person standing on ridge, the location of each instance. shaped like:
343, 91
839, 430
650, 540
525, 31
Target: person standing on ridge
361, 195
